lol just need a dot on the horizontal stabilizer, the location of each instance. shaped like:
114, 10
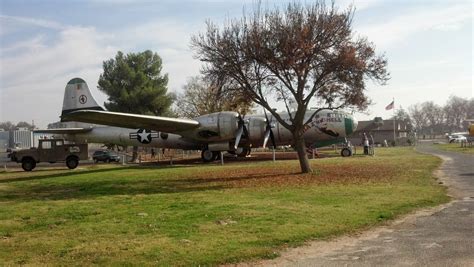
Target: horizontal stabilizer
132, 121
64, 131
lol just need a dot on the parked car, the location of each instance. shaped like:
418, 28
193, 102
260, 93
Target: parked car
457, 138
105, 156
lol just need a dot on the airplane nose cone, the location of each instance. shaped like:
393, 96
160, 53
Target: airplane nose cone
350, 124
354, 124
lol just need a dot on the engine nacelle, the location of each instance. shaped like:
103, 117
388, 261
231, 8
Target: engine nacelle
221, 146
218, 126
256, 129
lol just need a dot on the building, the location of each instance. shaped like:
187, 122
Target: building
4, 140
22, 138
382, 130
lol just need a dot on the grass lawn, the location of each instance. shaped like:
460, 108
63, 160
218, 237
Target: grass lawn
206, 214
455, 147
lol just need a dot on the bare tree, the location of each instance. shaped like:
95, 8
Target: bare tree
202, 97
24, 124
7, 126
456, 111
470, 112
434, 116
302, 54
417, 117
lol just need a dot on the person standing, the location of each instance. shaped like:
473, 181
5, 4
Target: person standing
365, 142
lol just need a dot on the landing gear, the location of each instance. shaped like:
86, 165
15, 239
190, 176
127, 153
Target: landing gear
207, 155
346, 152
217, 155
242, 151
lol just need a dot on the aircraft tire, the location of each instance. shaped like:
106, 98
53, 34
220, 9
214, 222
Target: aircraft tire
207, 155
28, 164
72, 162
346, 152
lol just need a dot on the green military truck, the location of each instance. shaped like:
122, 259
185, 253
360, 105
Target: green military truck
50, 150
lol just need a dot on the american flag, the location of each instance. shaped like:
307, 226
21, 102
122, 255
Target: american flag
390, 106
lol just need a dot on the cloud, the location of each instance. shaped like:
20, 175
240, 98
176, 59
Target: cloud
32, 21
34, 43
401, 27
75, 48
32, 79
171, 40
358, 4
35, 69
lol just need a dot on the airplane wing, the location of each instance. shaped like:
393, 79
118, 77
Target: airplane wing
64, 130
132, 121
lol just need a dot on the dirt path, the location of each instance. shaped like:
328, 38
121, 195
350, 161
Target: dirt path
442, 236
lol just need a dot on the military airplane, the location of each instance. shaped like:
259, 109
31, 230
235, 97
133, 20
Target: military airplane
211, 133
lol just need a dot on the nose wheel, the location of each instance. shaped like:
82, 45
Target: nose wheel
346, 152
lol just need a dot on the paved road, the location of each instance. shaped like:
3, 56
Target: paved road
441, 237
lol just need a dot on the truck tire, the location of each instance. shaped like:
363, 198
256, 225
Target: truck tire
28, 164
72, 162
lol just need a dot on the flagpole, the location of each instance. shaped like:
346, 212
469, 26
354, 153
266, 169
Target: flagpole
394, 135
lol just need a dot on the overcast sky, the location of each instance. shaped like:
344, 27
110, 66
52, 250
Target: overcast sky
46, 43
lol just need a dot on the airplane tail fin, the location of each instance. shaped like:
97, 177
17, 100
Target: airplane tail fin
77, 96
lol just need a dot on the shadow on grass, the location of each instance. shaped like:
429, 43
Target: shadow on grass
94, 189
72, 173
141, 186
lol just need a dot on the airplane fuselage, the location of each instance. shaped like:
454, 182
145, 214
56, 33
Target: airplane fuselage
327, 127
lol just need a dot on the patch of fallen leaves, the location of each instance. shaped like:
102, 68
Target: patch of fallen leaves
269, 175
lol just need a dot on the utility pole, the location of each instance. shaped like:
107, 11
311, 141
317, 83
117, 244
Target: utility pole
394, 118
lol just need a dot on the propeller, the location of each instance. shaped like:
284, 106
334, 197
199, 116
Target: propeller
242, 130
268, 132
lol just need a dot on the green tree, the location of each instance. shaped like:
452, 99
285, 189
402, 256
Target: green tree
302, 54
134, 84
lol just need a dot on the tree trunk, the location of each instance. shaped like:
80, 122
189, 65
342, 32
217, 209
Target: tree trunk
300, 148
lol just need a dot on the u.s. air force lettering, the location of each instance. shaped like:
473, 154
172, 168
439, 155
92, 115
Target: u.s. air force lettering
144, 136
